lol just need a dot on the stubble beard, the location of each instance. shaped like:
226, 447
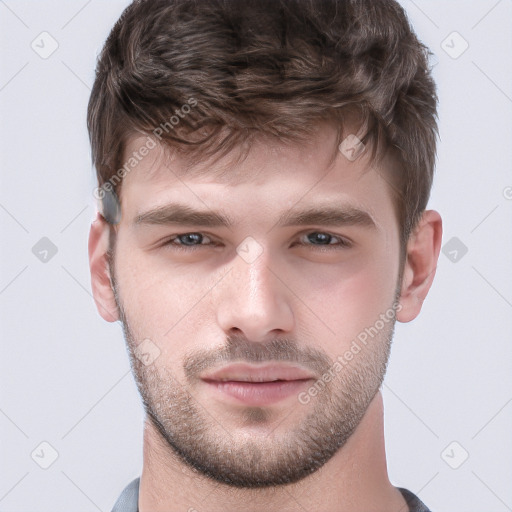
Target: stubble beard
225, 454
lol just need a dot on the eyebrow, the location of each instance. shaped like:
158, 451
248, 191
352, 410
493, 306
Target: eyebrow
175, 213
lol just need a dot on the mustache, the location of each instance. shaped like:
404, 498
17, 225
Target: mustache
240, 349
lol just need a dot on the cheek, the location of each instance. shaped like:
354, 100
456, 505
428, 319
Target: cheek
349, 298
162, 303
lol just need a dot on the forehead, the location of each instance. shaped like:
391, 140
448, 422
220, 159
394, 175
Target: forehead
261, 171
147, 161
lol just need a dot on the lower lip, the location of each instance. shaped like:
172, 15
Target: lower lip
258, 393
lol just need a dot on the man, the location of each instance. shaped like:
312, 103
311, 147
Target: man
264, 168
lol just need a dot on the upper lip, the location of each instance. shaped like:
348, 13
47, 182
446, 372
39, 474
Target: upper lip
244, 372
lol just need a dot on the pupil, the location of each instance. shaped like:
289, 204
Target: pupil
322, 238
190, 237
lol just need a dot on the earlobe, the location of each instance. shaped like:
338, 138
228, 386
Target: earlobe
420, 266
100, 272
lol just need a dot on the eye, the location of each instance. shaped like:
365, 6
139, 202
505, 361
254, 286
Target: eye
317, 240
188, 241
323, 241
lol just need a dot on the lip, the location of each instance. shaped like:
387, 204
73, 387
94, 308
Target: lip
243, 372
257, 385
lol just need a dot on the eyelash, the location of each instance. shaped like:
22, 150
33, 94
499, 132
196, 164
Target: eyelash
342, 244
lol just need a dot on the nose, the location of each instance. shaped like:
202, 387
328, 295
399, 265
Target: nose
254, 299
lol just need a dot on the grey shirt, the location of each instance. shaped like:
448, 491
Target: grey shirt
129, 499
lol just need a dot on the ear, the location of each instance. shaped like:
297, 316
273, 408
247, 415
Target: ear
102, 288
420, 265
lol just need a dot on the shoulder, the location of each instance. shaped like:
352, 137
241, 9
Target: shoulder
414, 503
128, 501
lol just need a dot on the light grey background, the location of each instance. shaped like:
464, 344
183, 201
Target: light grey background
64, 373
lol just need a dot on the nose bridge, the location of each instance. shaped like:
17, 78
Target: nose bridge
253, 299
258, 279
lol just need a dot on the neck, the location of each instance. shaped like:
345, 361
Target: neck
354, 480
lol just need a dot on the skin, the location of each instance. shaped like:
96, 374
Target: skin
297, 299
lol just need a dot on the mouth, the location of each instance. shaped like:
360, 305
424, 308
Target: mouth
243, 372
257, 385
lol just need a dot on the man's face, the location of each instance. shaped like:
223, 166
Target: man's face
284, 300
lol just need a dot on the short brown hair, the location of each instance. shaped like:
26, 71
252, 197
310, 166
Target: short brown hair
269, 67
